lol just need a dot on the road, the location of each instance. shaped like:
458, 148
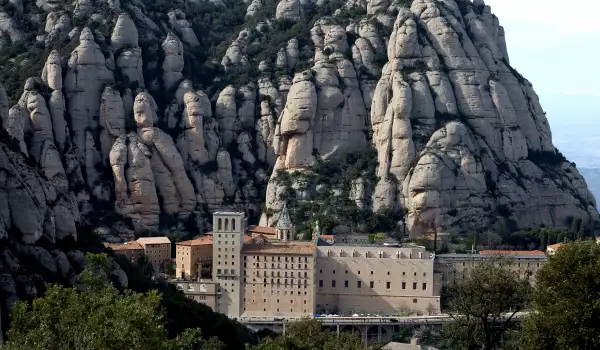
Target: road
374, 320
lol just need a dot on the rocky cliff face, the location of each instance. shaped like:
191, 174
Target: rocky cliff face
38, 228
145, 114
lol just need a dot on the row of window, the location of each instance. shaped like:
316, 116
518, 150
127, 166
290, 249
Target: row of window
278, 281
220, 224
291, 258
265, 300
285, 274
291, 310
272, 292
257, 265
225, 249
388, 285
388, 273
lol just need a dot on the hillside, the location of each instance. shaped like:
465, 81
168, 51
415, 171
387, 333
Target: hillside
153, 114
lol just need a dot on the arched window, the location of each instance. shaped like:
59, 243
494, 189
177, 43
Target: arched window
232, 224
220, 224
226, 224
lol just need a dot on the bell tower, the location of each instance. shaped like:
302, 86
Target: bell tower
228, 239
284, 231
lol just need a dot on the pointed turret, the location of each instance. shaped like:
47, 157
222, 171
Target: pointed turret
285, 230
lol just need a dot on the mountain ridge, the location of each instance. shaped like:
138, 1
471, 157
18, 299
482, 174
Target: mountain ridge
146, 117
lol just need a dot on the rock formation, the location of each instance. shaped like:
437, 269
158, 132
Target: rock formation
143, 118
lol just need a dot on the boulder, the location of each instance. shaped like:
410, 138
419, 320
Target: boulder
173, 63
124, 34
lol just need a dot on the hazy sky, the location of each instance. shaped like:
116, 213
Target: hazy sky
554, 44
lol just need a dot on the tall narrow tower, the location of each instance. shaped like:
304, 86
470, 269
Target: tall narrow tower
228, 238
284, 231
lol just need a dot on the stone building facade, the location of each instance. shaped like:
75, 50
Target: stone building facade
265, 272
132, 251
228, 238
157, 250
194, 258
203, 292
377, 280
279, 278
453, 267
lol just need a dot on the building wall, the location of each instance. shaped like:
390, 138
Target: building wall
376, 280
453, 267
278, 285
204, 292
132, 255
158, 254
194, 261
228, 238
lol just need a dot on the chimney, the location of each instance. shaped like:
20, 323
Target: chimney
415, 341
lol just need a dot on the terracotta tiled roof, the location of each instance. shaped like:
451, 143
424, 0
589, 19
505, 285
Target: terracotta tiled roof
196, 242
511, 252
153, 240
555, 246
261, 245
205, 241
262, 230
325, 237
133, 245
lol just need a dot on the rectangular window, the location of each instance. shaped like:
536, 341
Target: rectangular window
333, 283
415, 285
414, 301
358, 284
345, 284
403, 285
371, 284
320, 283
388, 285
424, 286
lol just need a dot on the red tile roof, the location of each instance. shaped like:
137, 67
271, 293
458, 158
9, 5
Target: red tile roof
261, 230
196, 242
205, 240
133, 245
555, 246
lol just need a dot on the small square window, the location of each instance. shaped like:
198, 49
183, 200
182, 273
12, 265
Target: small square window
414, 301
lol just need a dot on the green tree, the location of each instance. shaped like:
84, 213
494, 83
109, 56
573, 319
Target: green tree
566, 300
101, 317
308, 334
169, 268
483, 304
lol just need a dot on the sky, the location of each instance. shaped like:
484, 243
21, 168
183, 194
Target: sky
554, 44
